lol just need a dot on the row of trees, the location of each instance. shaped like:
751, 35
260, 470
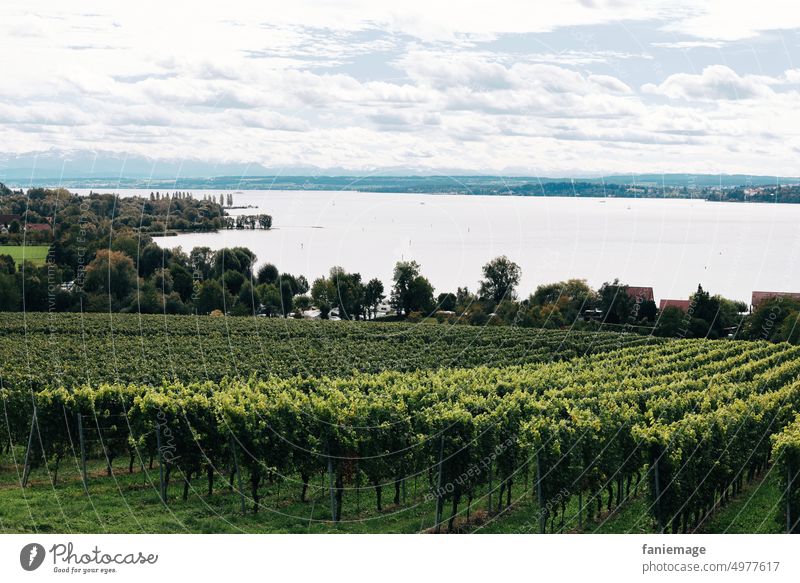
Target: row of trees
149, 279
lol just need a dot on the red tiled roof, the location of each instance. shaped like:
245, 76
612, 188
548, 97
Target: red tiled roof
640, 293
682, 305
38, 227
762, 296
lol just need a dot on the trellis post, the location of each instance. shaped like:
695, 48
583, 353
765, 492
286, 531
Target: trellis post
162, 487
788, 497
439, 497
539, 500
238, 473
82, 444
657, 492
27, 467
334, 517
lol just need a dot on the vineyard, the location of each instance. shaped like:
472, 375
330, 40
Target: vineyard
390, 427
46, 350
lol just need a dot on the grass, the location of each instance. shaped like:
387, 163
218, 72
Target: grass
36, 254
129, 503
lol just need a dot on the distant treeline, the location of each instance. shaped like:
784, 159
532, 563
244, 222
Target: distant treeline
716, 187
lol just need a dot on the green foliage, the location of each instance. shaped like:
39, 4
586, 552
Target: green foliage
584, 426
500, 278
786, 454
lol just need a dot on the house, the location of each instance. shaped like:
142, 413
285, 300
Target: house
6, 220
759, 297
640, 294
682, 305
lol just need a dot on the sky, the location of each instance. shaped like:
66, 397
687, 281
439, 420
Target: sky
567, 88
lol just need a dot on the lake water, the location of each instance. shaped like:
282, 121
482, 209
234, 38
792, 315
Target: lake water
671, 245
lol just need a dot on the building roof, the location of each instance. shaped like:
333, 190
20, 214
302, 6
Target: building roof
682, 305
38, 227
640, 293
762, 296
6, 219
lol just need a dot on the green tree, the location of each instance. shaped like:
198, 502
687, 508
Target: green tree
615, 303
267, 273
111, 272
373, 295
572, 297
7, 265
671, 323
323, 293
9, 293
210, 297
446, 302
349, 294
500, 277
411, 291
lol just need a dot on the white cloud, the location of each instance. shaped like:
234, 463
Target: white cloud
714, 83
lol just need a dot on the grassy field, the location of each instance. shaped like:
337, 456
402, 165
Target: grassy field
36, 254
129, 503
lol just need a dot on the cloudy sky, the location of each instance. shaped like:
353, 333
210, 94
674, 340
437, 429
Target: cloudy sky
594, 86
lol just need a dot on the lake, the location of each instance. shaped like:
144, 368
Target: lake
671, 245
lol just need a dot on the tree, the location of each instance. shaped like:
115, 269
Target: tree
287, 294
267, 273
111, 272
7, 265
233, 281
151, 258
270, 298
373, 295
210, 297
201, 260
420, 295
182, 281
349, 293
615, 303
572, 297
411, 292
323, 294
238, 259
769, 317
671, 323
501, 276
247, 301
446, 302
9, 293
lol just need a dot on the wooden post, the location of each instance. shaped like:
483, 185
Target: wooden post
439, 497
82, 443
788, 497
491, 464
358, 490
657, 492
27, 467
162, 487
238, 473
330, 485
526, 492
539, 500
